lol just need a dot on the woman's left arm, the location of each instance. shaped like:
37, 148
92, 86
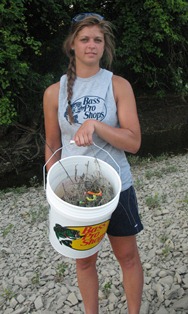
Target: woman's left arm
128, 136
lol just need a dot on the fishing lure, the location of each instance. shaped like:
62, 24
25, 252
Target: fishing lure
95, 193
94, 197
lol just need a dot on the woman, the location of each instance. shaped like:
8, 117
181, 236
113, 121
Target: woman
88, 105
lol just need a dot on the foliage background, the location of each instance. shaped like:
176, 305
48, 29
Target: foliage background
151, 41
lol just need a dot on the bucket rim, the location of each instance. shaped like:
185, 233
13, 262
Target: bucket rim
81, 157
84, 208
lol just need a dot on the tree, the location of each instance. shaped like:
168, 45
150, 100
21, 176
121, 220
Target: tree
15, 69
151, 38
153, 44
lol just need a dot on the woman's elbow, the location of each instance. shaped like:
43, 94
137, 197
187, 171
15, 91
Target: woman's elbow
135, 147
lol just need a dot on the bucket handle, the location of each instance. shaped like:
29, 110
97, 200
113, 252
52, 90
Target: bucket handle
73, 142
104, 150
44, 167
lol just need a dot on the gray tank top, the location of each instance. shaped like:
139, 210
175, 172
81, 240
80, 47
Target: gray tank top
93, 98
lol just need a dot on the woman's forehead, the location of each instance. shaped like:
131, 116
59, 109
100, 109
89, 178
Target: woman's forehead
93, 30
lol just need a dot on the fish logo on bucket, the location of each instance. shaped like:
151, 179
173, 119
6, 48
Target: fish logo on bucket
81, 238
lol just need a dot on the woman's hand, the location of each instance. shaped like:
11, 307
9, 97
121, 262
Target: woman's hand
127, 137
84, 135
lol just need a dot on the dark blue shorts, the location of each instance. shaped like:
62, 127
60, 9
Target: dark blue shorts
125, 220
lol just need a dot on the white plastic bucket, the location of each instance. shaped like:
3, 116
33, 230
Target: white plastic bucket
74, 231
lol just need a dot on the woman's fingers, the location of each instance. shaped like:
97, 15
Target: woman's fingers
84, 135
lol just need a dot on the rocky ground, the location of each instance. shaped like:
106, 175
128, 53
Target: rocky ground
35, 279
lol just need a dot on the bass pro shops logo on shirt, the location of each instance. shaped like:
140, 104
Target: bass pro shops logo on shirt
88, 107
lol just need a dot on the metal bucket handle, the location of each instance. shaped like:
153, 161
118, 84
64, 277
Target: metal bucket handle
73, 142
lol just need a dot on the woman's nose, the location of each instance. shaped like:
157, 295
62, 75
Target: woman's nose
91, 44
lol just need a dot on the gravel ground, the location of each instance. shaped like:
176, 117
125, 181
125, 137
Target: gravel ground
34, 278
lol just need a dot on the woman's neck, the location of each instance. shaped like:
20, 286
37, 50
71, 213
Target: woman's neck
84, 72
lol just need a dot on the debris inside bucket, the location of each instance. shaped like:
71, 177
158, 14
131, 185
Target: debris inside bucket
87, 190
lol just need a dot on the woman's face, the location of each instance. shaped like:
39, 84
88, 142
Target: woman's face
88, 45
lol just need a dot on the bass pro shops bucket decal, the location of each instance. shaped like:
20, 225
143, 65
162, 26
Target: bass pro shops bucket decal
81, 238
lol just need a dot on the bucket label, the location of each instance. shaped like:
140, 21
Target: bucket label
81, 238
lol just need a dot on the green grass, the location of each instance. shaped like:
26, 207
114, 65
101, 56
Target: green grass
35, 279
60, 270
34, 182
163, 238
107, 288
153, 201
7, 230
7, 294
138, 160
138, 183
185, 200
36, 215
166, 251
15, 190
161, 172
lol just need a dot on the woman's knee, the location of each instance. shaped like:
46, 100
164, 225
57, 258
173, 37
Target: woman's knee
125, 250
85, 263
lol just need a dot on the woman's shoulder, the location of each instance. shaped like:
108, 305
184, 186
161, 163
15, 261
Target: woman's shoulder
51, 95
117, 79
121, 86
52, 89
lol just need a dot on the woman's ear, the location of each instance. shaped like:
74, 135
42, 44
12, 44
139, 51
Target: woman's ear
72, 51
72, 46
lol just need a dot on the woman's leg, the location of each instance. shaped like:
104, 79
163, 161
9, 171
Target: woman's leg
126, 252
88, 283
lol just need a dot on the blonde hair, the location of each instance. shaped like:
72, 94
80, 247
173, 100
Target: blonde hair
106, 60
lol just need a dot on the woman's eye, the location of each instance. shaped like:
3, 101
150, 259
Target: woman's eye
84, 39
98, 40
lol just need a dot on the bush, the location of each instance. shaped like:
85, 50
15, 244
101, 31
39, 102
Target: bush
151, 39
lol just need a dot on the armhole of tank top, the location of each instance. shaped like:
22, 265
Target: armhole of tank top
112, 90
62, 81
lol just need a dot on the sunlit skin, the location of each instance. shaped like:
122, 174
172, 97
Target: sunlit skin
88, 49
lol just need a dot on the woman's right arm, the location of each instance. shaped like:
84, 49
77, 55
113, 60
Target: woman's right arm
52, 129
